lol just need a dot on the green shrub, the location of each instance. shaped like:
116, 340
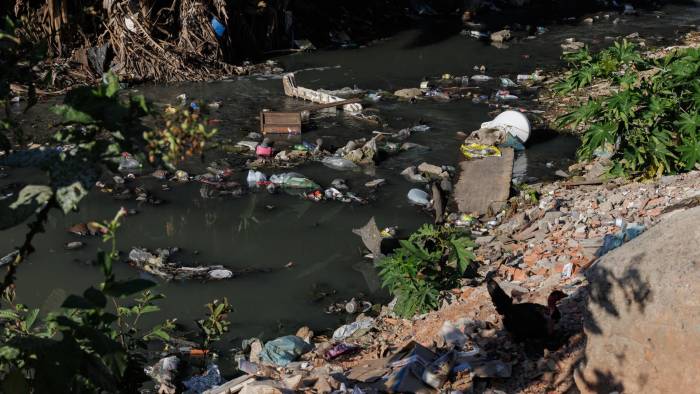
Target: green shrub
649, 122
432, 260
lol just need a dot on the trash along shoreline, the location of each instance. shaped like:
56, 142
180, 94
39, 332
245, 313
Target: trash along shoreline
538, 248
533, 250
519, 319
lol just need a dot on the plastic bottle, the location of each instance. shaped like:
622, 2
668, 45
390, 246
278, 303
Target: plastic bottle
128, 163
255, 178
339, 163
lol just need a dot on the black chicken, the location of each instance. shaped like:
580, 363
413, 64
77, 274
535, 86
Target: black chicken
526, 321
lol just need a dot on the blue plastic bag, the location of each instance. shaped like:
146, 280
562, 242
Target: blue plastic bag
218, 27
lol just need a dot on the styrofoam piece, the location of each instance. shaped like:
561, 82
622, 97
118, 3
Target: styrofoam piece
513, 122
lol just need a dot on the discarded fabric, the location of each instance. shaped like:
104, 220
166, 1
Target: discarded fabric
613, 241
199, 384
284, 350
339, 350
347, 330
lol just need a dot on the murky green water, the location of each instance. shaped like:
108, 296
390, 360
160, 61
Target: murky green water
316, 237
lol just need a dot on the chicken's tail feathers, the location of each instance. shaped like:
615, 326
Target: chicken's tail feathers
500, 299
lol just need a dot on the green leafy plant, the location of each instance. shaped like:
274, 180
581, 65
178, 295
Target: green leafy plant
184, 134
432, 260
586, 67
86, 346
216, 323
648, 122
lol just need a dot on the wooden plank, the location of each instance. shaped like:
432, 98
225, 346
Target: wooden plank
292, 90
280, 122
484, 184
333, 104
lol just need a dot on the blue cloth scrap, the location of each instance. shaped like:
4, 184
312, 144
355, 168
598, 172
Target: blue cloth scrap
614, 241
284, 350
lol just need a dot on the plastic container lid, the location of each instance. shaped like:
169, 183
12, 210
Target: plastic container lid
513, 122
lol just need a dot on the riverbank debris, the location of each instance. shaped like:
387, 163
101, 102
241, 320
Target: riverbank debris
280, 122
159, 264
292, 90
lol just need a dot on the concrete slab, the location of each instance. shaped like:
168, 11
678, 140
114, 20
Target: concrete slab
484, 184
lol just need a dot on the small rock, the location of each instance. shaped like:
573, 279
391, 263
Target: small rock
305, 333
411, 175
181, 176
412, 145
431, 169
483, 240
588, 21
251, 145
256, 348
375, 183
561, 173
160, 174
408, 93
339, 184
75, 245
501, 36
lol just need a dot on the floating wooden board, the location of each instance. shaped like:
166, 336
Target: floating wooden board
280, 122
484, 184
292, 90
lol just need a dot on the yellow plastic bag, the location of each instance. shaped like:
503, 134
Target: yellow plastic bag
477, 151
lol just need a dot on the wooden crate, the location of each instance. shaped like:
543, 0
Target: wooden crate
280, 122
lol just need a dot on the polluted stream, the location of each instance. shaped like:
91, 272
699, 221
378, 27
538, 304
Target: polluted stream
303, 255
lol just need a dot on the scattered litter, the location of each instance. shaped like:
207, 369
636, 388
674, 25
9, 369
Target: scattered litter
501, 36
508, 83
340, 349
164, 373
452, 335
419, 197
512, 122
420, 128
292, 90
481, 78
437, 372
293, 180
375, 183
201, 383
7, 259
347, 330
256, 179
477, 151
284, 350
505, 95
75, 245
339, 163
159, 264
128, 163
613, 241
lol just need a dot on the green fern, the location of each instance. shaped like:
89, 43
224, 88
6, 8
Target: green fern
648, 125
432, 260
